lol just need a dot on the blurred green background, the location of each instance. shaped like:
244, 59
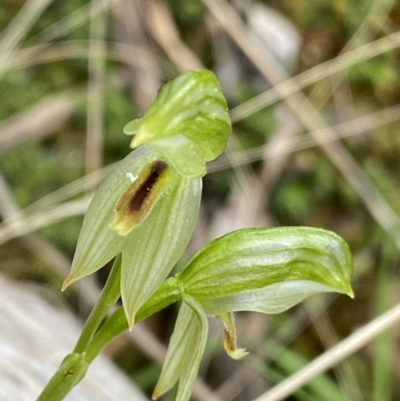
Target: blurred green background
314, 91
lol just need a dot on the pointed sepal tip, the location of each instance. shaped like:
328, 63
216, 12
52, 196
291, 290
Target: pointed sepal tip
67, 282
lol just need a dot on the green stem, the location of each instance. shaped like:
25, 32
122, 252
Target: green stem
108, 297
71, 371
167, 294
74, 366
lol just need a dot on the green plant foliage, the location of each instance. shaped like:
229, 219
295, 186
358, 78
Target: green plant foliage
18, 93
292, 198
187, 12
321, 388
145, 212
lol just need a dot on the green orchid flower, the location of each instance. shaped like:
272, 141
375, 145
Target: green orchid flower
148, 206
145, 212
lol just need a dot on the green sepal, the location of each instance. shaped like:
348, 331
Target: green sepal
150, 249
185, 351
153, 248
191, 105
183, 155
97, 243
267, 270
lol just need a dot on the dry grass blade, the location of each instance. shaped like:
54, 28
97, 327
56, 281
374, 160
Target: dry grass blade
124, 53
336, 354
378, 13
68, 191
94, 125
344, 372
131, 28
44, 250
359, 125
313, 75
164, 31
309, 116
71, 22
39, 121
19, 227
18, 28
28, 16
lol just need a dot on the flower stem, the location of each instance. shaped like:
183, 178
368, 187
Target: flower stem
93, 340
74, 366
168, 293
108, 297
71, 371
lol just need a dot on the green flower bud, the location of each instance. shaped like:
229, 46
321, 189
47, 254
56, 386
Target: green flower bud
148, 206
267, 270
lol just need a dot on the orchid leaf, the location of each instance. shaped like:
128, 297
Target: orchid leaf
267, 270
